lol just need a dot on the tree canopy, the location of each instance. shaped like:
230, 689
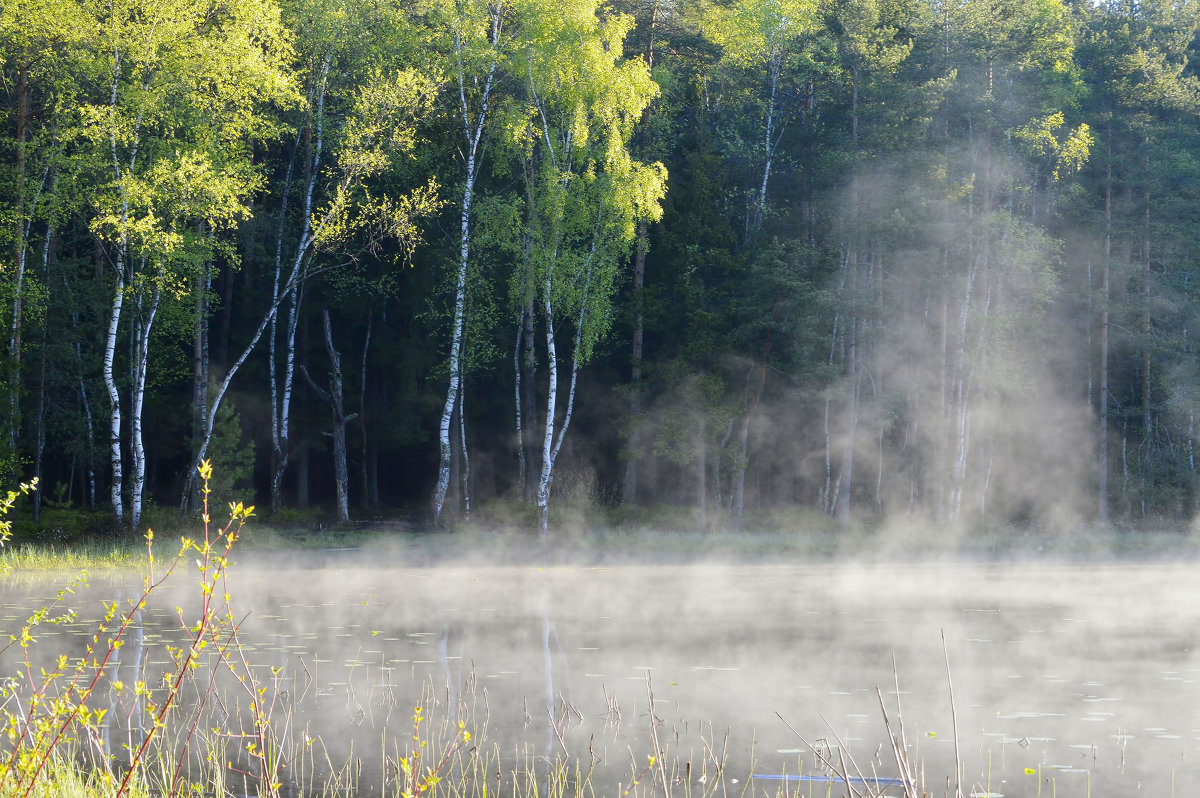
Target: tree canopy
753, 259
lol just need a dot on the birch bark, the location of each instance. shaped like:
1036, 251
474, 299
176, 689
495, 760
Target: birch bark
473, 129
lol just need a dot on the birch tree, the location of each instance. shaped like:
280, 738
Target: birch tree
184, 92
767, 41
477, 39
362, 115
587, 192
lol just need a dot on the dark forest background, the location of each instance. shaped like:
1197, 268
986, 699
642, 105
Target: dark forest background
868, 259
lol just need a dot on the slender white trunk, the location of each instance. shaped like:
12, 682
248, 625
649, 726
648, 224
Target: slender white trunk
281, 401
295, 298
138, 393
110, 346
473, 132
552, 444
268, 318
543, 495
443, 482
272, 319
768, 145
114, 397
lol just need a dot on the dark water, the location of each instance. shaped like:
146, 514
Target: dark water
1068, 679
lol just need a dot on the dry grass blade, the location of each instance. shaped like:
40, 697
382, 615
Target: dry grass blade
958, 768
842, 747
838, 768
659, 756
899, 751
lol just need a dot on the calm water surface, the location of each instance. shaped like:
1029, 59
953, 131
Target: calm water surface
1068, 679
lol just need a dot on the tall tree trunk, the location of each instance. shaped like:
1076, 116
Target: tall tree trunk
522, 460
853, 325
334, 398
200, 359
284, 289
465, 472
846, 478
630, 492
1102, 487
144, 324
114, 398
362, 416
40, 413
460, 298
528, 392
702, 474
314, 138
769, 141
20, 233
738, 498
1147, 420
552, 443
473, 133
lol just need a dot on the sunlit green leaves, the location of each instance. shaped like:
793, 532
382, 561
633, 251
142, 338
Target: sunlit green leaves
759, 31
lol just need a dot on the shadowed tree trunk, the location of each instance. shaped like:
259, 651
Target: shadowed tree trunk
333, 398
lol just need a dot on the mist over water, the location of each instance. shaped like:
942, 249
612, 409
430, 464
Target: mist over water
1082, 677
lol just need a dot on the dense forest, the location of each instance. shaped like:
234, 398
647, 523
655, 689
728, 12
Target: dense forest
751, 259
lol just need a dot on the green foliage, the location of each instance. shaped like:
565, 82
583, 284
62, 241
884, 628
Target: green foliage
855, 188
232, 457
6, 505
46, 713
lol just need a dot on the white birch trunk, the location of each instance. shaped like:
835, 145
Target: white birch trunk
443, 481
283, 290
114, 397
552, 443
295, 297
137, 394
473, 132
272, 318
281, 401
768, 144
547, 472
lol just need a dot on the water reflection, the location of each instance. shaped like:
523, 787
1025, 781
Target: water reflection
1071, 676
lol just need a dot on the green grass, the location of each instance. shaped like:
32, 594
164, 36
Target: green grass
93, 556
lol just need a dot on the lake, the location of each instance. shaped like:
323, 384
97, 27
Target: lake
1069, 679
